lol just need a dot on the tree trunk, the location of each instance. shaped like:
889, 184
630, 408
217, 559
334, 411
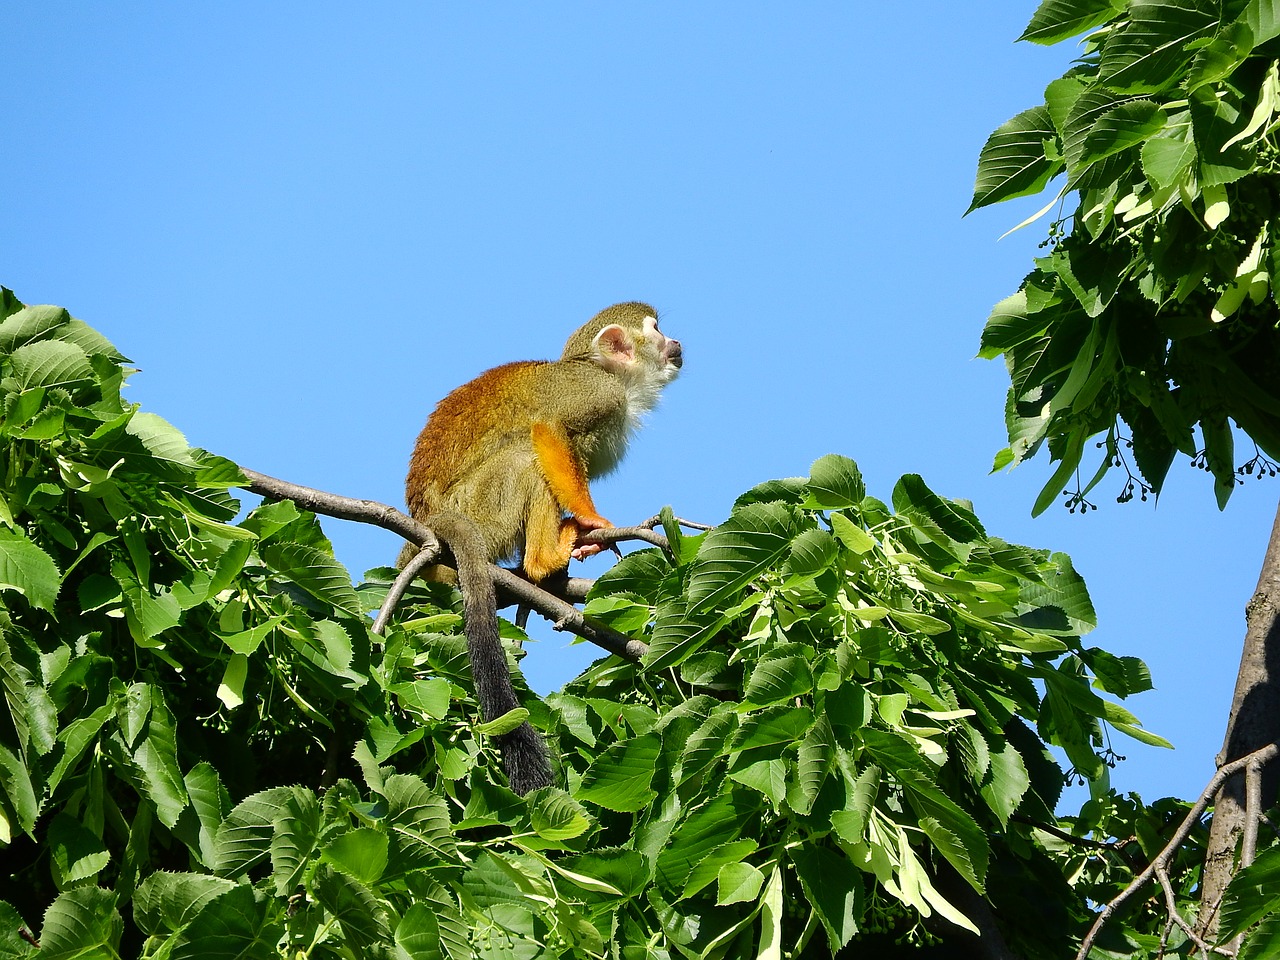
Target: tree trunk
1254, 722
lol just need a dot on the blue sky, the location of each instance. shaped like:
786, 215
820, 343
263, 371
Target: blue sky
306, 223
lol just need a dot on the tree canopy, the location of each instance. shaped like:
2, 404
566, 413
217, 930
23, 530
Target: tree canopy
1153, 311
838, 732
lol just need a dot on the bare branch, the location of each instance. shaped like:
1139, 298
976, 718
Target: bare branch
565, 616
610, 536
560, 612
1171, 908
1161, 862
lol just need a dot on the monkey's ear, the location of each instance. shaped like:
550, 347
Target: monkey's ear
614, 347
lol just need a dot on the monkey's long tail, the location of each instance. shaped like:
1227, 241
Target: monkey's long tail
524, 754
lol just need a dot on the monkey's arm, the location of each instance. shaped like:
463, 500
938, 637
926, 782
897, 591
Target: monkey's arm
564, 474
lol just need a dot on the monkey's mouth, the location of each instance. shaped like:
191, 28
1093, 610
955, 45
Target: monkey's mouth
675, 355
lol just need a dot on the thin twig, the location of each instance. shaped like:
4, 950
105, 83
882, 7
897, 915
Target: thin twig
656, 519
1249, 839
1171, 908
558, 611
1261, 756
1071, 838
421, 559
1253, 807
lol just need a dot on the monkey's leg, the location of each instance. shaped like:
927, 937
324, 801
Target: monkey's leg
548, 537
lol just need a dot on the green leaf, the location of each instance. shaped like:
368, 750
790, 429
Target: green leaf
767, 777
771, 728
619, 779
945, 522
316, 572
149, 734
87, 339
1263, 942
1263, 19
1070, 461
812, 553
16, 788
82, 923
430, 697
1059, 602
1148, 52
1253, 893
148, 614
26, 568
751, 541
76, 853
1013, 161
778, 679
1123, 676
1010, 324
165, 902
835, 482
677, 634
359, 853
51, 363
1007, 784
418, 934
244, 839
738, 883
160, 438
851, 535
1122, 127
30, 324
1168, 157
503, 724
713, 823
626, 871
294, 837
958, 837
557, 816
707, 870
1056, 20
209, 803
232, 925
419, 820
638, 574
1142, 736
833, 887
850, 824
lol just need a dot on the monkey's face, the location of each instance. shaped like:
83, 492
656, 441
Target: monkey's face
638, 352
668, 357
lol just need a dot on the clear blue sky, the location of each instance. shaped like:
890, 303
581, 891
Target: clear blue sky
307, 222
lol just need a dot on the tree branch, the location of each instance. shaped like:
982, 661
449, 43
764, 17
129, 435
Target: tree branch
560, 612
1161, 861
1071, 838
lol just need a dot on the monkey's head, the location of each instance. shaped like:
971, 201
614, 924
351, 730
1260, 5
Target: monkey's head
625, 340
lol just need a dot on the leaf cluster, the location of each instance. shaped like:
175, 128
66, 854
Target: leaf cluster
1153, 312
839, 732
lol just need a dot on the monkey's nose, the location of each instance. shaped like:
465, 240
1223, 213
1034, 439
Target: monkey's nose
675, 354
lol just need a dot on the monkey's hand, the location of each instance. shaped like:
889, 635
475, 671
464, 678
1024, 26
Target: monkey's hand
585, 524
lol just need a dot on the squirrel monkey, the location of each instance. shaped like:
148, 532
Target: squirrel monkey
501, 470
